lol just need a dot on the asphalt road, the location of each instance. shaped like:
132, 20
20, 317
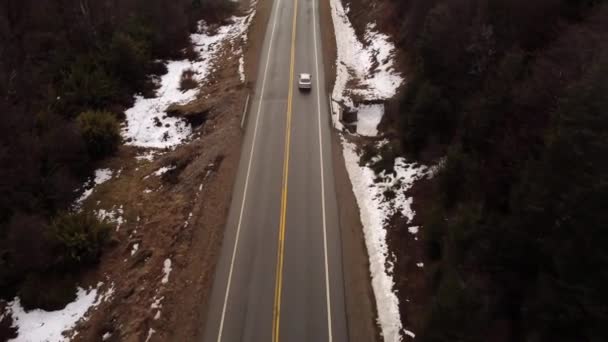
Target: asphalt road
279, 277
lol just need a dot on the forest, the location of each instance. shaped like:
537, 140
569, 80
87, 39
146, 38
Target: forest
68, 69
514, 95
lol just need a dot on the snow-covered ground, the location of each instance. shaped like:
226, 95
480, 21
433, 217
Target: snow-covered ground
365, 72
101, 176
166, 271
48, 326
113, 215
375, 211
242, 69
366, 66
368, 119
147, 123
163, 170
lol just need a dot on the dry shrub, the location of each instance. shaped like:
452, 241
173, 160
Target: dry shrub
101, 133
7, 331
190, 53
80, 238
55, 294
187, 81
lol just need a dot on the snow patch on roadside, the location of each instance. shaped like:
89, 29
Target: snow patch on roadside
368, 119
366, 67
112, 216
147, 123
134, 249
163, 170
166, 271
157, 305
375, 211
409, 333
101, 176
148, 155
48, 326
242, 68
150, 333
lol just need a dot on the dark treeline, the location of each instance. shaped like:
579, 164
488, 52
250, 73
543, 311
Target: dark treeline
515, 94
68, 68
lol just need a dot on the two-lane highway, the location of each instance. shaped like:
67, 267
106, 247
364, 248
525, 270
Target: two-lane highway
279, 277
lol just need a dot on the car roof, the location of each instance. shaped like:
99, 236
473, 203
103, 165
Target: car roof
305, 76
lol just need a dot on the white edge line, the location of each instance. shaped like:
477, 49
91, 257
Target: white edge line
327, 296
255, 132
245, 111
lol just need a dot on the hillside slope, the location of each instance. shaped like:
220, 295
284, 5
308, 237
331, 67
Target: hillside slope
514, 94
121, 142
511, 95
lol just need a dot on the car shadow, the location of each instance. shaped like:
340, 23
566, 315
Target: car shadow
305, 91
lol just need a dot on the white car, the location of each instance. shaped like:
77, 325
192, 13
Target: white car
304, 81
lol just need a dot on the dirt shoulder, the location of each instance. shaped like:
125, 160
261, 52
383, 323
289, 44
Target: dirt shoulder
257, 31
328, 43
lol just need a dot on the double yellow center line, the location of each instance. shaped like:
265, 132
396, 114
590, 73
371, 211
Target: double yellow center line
279, 271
